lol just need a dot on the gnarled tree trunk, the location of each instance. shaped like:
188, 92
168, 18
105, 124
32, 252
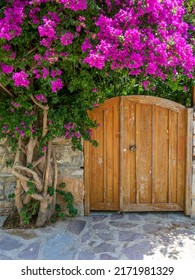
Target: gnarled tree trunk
35, 175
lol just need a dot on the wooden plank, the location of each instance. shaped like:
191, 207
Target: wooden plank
173, 144
125, 152
153, 157
132, 154
145, 154
188, 194
137, 123
109, 150
161, 154
96, 162
157, 101
116, 155
181, 173
86, 179
152, 207
104, 187
121, 156
128, 181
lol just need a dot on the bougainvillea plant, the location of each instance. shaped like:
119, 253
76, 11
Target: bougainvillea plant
55, 58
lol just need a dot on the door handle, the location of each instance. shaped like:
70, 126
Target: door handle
132, 148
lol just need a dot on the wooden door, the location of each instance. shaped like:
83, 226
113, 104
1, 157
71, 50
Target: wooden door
140, 163
102, 162
153, 154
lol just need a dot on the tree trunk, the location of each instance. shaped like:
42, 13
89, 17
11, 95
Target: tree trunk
34, 176
43, 211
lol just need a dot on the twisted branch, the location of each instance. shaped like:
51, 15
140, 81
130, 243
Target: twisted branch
37, 180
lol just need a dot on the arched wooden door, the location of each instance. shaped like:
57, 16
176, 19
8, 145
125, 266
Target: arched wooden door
140, 163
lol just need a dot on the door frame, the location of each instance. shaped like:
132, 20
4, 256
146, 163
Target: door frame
189, 130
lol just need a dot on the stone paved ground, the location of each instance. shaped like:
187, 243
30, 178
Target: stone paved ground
103, 236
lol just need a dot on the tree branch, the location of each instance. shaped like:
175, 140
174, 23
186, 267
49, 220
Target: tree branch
5, 89
46, 181
32, 50
18, 201
55, 169
17, 156
36, 196
37, 180
45, 108
45, 129
30, 149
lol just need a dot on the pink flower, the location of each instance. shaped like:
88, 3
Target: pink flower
77, 135
22, 133
15, 104
67, 39
56, 85
6, 47
45, 73
20, 79
145, 84
41, 98
7, 69
37, 57
44, 149
86, 45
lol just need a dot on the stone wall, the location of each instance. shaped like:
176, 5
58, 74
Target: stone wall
7, 180
69, 171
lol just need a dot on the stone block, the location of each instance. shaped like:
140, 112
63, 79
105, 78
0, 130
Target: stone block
76, 187
77, 173
9, 188
6, 207
65, 155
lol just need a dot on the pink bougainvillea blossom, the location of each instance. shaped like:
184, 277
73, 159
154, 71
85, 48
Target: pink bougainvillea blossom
20, 79
56, 85
127, 40
6, 47
7, 69
41, 98
67, 39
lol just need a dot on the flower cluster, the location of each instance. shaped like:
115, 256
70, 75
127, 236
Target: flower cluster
41, 98
70, 131
21, 79
7, 69
56, 85
148, 38
10, 24
45, 44
67, 39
